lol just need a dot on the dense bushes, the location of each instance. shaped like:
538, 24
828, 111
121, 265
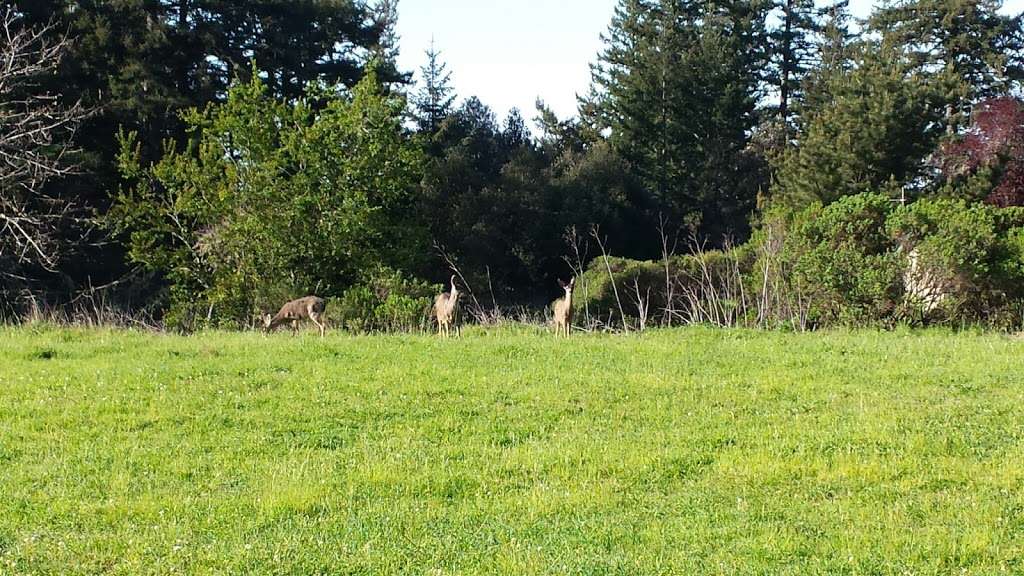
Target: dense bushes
844, 264
273, 199
962, 260
386, 301
862, 260
865, 260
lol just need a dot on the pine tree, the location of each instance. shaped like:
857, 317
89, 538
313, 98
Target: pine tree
515, 134
974, 51
675, 89
433, 101
877, 128
792, 54
386, 49
832, 56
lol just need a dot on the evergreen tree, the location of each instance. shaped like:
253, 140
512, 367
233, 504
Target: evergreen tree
385, 51
973, 51
515, 134
433, 101
675, 89
833, 56
877, 128
792, 54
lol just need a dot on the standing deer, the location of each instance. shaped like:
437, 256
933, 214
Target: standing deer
309, 308
563, 309
444, 310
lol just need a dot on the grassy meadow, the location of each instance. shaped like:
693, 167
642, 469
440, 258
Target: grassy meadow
692, 451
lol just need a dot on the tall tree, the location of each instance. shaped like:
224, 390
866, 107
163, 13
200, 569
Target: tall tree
974, 51
675, 89
792, 54
385, 51
832, 55
877, 127
433, 101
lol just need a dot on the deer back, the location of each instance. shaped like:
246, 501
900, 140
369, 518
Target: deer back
299, 309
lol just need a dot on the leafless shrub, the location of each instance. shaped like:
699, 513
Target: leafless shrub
595, 233
579, 251
667, 253
642, 303
36, 131
715, 294
91, 308
781, 301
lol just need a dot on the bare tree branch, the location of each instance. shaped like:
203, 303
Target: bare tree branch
36, 134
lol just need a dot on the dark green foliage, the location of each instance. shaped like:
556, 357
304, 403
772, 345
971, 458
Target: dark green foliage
966, 47
433, 101
676, 88
274, 198
843, 261
385, 301
792, 52
500, 204
876, 130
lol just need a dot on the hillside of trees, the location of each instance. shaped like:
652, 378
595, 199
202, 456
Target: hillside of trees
766, 162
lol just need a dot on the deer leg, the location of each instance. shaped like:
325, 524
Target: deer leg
315, 318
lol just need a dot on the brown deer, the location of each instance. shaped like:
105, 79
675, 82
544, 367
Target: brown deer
444, 310
563, 309
309, 308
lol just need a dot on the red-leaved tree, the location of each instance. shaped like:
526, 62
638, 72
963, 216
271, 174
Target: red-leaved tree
994, 141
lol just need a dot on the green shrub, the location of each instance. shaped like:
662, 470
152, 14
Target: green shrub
975, 252
844, 262
271, 199
386, 301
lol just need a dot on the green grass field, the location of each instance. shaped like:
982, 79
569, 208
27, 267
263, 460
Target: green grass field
691, 451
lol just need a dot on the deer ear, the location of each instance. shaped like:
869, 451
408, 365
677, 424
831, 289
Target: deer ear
572, 282
561, 283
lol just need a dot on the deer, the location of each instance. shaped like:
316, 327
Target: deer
309, 308
444, 310
563, 309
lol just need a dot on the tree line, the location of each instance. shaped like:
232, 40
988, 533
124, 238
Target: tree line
220, 156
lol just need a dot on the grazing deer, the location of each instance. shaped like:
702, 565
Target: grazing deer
309, 308
444, 310
563, 309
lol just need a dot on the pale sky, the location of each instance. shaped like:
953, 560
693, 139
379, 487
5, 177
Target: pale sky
510, 52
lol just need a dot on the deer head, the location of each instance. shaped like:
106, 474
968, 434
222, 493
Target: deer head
568, 287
